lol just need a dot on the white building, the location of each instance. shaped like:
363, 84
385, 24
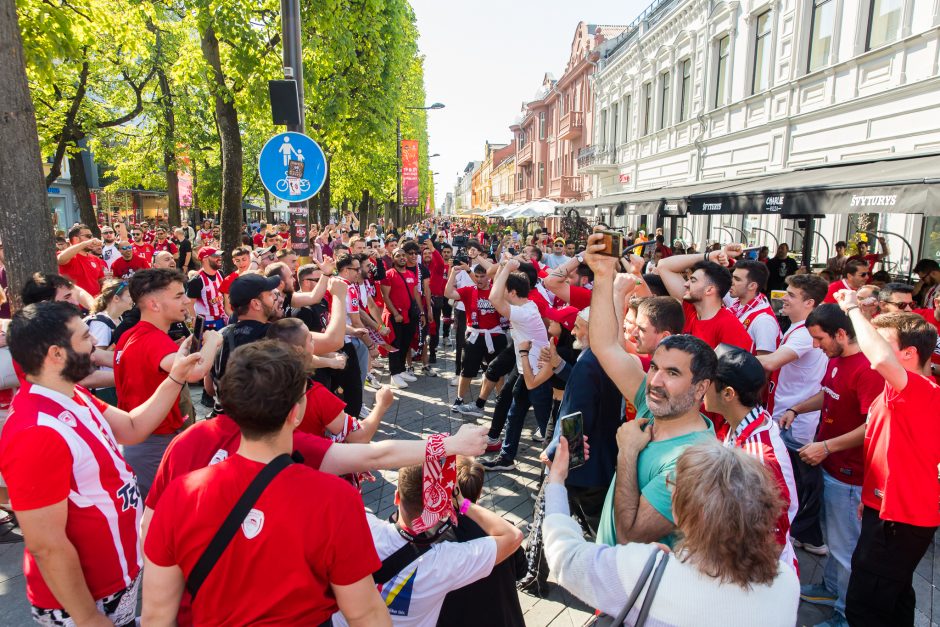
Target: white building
463, 190
708, 92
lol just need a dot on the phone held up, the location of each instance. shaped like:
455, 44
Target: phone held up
198, 327
613, 244
572, 427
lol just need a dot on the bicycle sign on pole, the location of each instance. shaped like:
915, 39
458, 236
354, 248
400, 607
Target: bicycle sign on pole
292, 167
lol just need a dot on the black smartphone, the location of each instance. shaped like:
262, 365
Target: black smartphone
572, 427
198, 327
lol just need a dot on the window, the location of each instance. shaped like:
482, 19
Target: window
520, 183
664, 105
761, 79
541, 175
626, 119
685, 91
615, 118
884, 22
647, 108
820, 34
542, 125
721, 71
522, 140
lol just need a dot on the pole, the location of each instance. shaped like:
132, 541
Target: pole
398, 172
808, 234
294, 69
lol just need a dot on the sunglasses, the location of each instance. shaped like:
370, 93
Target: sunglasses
903, 305
126, 248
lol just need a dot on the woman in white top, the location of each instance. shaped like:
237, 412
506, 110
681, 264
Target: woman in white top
110, 305
726, 569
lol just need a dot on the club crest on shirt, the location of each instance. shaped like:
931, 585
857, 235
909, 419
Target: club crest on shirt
220, 456
68, 419
253, 523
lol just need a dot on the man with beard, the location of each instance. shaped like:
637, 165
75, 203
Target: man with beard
205, 289
638, 507
79, 263
400, 294
109, 251
162, 243
145, 354
142, 248
59, 452
747, 302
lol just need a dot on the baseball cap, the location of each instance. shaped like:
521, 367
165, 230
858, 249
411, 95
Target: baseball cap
559, 240
249, 286
207, 251
739, 369
564, 316
264, 250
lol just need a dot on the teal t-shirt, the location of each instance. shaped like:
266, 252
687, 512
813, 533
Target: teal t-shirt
654, 464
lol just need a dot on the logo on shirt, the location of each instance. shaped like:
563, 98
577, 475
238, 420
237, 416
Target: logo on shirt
130, 495
220, 456
68, 419
253, 523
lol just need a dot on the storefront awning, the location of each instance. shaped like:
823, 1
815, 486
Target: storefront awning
668, 201
896, 185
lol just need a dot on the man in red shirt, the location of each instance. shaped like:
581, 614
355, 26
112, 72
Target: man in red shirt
439, 265
204, 289
857, 274
242, 258
571, 282
871, 258
142, 248
899, 297
75, 497
128, 263
319, 547
79, 264
402, 308
848, 389
747, 302
161, 243
899, 507
705, 315
145, 354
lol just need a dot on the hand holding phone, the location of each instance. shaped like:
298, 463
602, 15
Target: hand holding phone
198, 327
572, 428
613, 244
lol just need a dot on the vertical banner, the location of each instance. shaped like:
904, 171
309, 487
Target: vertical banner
409, 172
299, 230
427, 206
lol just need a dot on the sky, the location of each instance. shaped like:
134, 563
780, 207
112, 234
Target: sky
483, 59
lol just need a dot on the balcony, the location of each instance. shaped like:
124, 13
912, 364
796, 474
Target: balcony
524, 154
571, 126
594, 161
566, 187
522, 195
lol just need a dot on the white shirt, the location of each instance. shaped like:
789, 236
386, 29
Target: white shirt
525, 324
799, 380
764, 329
415, 595
109, 253
463, 280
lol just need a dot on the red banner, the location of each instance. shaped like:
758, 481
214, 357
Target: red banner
409, 172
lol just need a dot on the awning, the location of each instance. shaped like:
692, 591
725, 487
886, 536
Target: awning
668, 201
895, 185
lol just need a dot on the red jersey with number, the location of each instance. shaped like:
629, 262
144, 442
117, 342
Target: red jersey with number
55, 448
279, 567
849, 387
137, 372
722, 328
479, 308
902, 452
86, 271
121, 268
144, 251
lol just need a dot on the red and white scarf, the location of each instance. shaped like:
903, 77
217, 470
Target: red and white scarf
437, 487
758, 302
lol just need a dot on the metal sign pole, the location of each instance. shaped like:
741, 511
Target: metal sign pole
294, 69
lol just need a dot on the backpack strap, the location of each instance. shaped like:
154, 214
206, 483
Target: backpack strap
396, 562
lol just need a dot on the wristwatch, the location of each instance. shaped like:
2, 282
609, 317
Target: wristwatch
579, 257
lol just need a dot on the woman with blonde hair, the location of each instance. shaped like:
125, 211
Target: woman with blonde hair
725, 569
110, 304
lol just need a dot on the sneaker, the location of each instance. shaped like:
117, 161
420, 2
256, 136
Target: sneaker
407, 376
494, 445
836, 620
432, 357
428, 371
817, 594
500, 462
537, 437
365, 411
453, 382
398, 382
456, 406
372, 381
822, 550
470, 409
447, 342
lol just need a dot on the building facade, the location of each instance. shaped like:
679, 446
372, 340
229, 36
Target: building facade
504, 175
463, 190
700, 90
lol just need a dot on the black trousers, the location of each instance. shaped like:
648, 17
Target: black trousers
880, 588
503, 403
460, 337
404, 333
349, 379
809, 488
439, 306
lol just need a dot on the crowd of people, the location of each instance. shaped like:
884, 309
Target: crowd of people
717, 427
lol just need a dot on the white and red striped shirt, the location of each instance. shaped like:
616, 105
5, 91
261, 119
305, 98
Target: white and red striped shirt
56, 448
209, 298
759, 436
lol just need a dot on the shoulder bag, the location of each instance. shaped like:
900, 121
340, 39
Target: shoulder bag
609, 621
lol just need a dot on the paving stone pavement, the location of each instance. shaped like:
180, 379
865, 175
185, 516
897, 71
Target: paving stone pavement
424, 408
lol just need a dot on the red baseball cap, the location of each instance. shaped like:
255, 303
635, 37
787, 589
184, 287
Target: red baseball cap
207, 251
564, 316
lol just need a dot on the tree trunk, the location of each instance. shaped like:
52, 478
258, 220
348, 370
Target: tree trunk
169, 149
230, 212
324, 197
268, 214
364, 211
86, 211
25, 220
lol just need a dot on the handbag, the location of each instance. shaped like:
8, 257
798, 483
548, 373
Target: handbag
605, 620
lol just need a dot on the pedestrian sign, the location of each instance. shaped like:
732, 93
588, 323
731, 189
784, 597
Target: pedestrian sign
292, 167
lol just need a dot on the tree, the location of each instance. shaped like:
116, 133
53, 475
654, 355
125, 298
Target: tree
25, 216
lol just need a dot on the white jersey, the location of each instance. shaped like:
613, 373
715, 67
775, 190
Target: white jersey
800, 379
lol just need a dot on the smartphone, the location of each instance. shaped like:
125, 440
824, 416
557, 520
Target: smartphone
198, 327
613, 244
750, 253
572, 427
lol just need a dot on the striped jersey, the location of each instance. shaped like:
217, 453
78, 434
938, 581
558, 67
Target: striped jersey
206, 290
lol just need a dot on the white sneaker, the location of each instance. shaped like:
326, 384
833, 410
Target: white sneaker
470, 409
428, 371
407, 376
453, 382
398, 382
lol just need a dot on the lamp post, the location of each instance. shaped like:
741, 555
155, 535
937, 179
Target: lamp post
398, 216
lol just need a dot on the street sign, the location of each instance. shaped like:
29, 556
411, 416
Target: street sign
292, 167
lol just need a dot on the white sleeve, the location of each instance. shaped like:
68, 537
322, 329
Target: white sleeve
101, 332
800, 342
476, 559
764, 332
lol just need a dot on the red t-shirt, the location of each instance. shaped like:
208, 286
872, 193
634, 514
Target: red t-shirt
540, 302
322, 408
928, 315
834, 287
400, 286
477, 302
137, 372
258, 240
902, 451
279, 566
124, 269
283, 234
227, 281
55, 449
167, 246
580, 297
722, 328
849, 387
144, 250
439, 269
86, 271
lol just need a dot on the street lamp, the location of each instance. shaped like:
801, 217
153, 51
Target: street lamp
435, 106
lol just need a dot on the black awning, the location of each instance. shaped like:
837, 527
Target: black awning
668, 201
899, 185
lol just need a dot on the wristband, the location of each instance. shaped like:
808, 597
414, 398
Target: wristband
523, 353
465, 505
795, 413
826, 446
180, 383
850, 309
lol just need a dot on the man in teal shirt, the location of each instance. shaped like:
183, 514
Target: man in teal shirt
639, 503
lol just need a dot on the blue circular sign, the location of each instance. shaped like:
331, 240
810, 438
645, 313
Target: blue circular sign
292, 167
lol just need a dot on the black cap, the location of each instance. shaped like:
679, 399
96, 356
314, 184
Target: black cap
739, 369
249, 286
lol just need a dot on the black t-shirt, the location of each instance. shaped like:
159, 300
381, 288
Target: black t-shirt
779, 270
233, 336
184, 247
492, 601
316, 317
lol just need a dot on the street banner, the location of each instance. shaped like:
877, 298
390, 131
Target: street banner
427, 206
409, 172
299, 229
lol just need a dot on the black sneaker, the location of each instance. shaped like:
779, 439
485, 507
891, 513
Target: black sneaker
501, 462
432, 357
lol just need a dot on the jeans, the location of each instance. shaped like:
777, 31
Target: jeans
809, 487
840, 506
503, 403
540, 399
362, 356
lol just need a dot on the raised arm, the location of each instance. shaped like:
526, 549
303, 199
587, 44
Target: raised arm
875, 347
671, 268
498, 291
450, 290
331, 339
